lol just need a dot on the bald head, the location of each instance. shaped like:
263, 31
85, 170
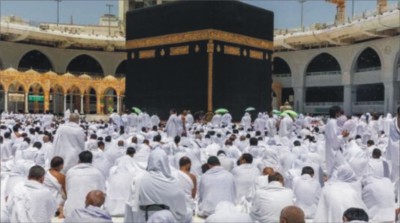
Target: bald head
95, 198
46, 138
74, 117
292, 214
268, 171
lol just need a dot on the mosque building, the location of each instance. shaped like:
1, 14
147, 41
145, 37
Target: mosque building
352, 63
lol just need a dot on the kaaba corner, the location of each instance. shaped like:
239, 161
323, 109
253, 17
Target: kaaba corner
199, 55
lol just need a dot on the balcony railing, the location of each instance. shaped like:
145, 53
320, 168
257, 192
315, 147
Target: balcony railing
368, 69
320, 73
320, 26
323, 103
281, 75
368, 103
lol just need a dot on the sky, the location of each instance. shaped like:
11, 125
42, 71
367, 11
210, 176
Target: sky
287, 12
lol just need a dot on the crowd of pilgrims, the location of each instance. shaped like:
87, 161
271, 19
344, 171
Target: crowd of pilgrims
135, 167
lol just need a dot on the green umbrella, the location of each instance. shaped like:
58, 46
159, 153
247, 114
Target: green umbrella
136, 110
221, 111
290, 112
250, 109
276, 112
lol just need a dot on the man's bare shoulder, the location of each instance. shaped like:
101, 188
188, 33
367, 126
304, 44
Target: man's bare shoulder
192, 176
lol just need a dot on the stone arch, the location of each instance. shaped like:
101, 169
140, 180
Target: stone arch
35, 60
16, 85
85, 64
74, 89
108, 89
121, 69
58, 87
367, 59
323, 63
281, 67
35, 84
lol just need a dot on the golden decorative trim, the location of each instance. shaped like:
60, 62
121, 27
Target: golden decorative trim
210, 50
255, 54
179, 50
146, 54
232, 50
199, 35
210, 47
218, 48
51, 83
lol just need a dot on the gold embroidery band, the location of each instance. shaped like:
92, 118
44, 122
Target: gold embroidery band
206, 34
179, 50
210, 51
256, 54
231, 50
146, 54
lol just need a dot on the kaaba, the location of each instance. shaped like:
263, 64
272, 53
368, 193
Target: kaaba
199, 55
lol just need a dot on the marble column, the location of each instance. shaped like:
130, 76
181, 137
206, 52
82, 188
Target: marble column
389, 104
347, 102
26, 103
6, 101
299, 99
65, 102
118, 104
82, 103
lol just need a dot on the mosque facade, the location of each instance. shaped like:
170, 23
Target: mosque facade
355, 65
